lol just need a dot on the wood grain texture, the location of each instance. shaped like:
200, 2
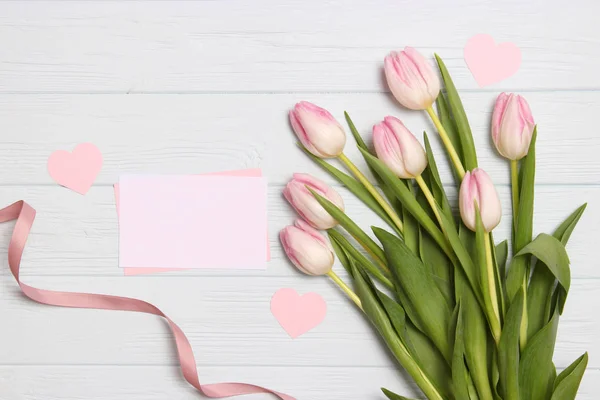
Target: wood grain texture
199, 86
200, 133
224, 46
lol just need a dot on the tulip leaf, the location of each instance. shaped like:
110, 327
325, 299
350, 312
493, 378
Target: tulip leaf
407, 199
449, 124
563, 232
351, 227
464, 258
567, 382
519, 266
419, 346
459, 369
419, 286
393, 396
352, 252
437, 188
438, 264
339, 251
362, 145
356, 188
552, 253
536, 370
460, 118
411, 228
501, 257
508, 350
376, 313
475, 337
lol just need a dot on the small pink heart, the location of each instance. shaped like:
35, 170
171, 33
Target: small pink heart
490, 63
77, 170
298, 314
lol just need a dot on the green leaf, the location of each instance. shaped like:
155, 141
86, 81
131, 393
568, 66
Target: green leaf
475, 337
508, 350
362, 145
502, 256
567, 383
417, 283
437, 188
411, 229
540, 299
356, 188
352, 252
376, 313
419, 346
563, 232
350, 226
459, 369
519, 266
339, 251
464, 258
550, 251
536, 370
406, 198
449, 124
392, 395
438, 264
460, 118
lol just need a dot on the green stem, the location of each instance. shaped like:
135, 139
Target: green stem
491, 282
514, 180
365, 182
449, 147
429, 197
334, 277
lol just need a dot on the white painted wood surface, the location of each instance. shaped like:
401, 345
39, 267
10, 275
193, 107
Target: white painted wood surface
189, 87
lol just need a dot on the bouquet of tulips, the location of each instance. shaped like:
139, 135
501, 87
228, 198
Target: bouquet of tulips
467, 317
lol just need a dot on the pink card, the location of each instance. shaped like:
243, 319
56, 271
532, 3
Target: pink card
253, 172
192, 221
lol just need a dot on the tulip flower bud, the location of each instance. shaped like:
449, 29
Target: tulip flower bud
512, 126
297, 194
307, 248
317, 130
398, 148
478, 188
411, 79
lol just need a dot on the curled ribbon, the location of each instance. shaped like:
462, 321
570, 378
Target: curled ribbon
25, 215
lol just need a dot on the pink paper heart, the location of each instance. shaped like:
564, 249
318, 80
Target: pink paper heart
490, 63
298, 314
77, 170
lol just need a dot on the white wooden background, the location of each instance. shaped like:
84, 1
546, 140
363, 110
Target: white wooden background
189, 87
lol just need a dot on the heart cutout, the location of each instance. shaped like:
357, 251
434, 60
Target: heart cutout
490, 62
298, 314
76, 170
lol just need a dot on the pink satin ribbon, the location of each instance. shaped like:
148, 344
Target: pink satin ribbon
25, 215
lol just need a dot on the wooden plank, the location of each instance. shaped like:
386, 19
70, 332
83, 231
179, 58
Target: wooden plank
200, 133
266, 45
228, 323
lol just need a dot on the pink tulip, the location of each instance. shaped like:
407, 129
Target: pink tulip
411, 79
398, 148
306, 205
307, 248
512, 126
478, 188
317, 130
